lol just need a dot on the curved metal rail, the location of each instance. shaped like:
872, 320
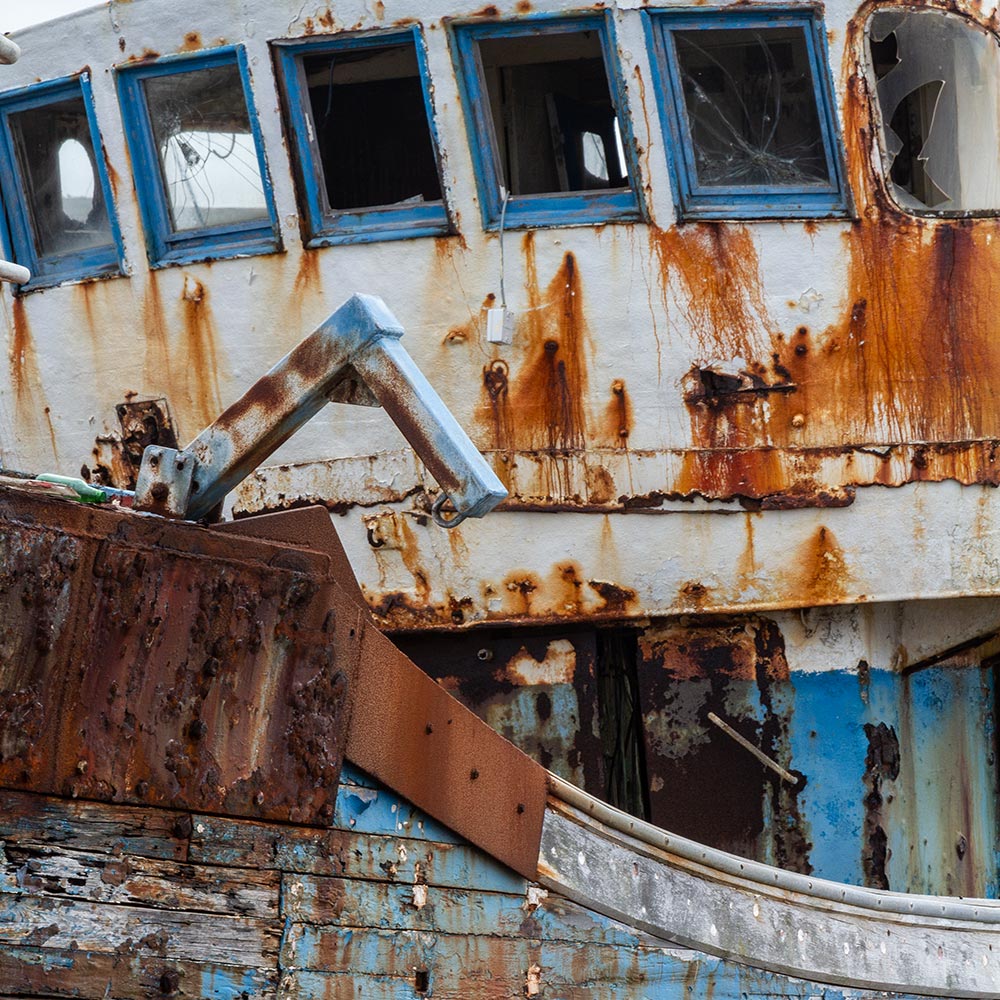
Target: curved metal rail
762, 916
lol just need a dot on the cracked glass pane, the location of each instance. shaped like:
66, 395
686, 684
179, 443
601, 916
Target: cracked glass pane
207, 152
938, 91
751, 106
371, 127
64, 196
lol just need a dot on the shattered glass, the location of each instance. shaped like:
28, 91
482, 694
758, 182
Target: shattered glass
56, 159
751, 107
938, 90
207, 152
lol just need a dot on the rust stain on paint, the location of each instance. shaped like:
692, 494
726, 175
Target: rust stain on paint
156, 361
201, 350
550, 386
23, 365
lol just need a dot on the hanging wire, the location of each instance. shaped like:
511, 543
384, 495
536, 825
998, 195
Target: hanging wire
503, 220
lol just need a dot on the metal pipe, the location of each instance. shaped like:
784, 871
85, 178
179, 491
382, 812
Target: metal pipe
14, 273
756, 751
10, 51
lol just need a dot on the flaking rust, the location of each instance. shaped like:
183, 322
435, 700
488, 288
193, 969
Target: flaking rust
210, 673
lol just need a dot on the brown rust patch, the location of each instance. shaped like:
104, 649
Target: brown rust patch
823, 573
735, 667
523, 6
914, 356
156, 361
712, 274
551, 386
202, 362
307, 277
23, 366
618, 417
600, 485
192, 41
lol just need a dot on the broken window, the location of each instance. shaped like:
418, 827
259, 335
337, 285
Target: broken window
55, 187
359, 110
938, 90
200, 171
751, 121
544, 122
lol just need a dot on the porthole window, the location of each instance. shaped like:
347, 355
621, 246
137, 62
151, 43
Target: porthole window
199, 165
366, 153
549, 138
937, 84
57, 199
746, 101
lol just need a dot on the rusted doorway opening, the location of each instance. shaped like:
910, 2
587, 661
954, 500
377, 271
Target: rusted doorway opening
566, 697
622, 737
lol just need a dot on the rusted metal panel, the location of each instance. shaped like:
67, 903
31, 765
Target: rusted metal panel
538, 690
164, 663
702, 783
152, 663
479, 784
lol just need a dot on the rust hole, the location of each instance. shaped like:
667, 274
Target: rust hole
421, 981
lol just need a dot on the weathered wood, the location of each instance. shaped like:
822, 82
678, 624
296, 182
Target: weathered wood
223, 841
30, 972
461, 967
366, 809
349, 903
82, 925
47, 871
93, 826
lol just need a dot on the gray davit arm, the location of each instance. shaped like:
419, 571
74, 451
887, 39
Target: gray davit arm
359, 343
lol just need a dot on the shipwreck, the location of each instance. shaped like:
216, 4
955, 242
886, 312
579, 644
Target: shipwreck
630, 627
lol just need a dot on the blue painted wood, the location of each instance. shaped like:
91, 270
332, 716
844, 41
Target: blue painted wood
164, 245
578, 208
384, 963
19, 239
323, 225
697, 201
220, 841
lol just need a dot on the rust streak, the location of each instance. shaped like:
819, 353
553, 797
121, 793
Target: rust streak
202, 363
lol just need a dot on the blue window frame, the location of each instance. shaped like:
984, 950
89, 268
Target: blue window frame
545, 111
59, 220
746, 101
364, 145
198, 158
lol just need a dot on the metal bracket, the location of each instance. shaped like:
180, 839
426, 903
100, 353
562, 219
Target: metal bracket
354, 356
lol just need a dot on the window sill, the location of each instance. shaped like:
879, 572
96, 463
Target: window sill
588, 208
196, 251
67, 276
381, 225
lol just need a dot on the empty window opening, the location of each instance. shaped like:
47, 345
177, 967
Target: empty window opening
938, 91
207, 154
751, 107
371, 129
553, 117
65, 200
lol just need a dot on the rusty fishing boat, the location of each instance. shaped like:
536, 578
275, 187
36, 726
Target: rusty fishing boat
628, 628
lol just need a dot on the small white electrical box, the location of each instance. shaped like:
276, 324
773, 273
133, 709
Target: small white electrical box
499, 325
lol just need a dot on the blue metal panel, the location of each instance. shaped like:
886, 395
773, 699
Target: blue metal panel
163, 244
19, 239
742, 201
575, 208
325, 227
